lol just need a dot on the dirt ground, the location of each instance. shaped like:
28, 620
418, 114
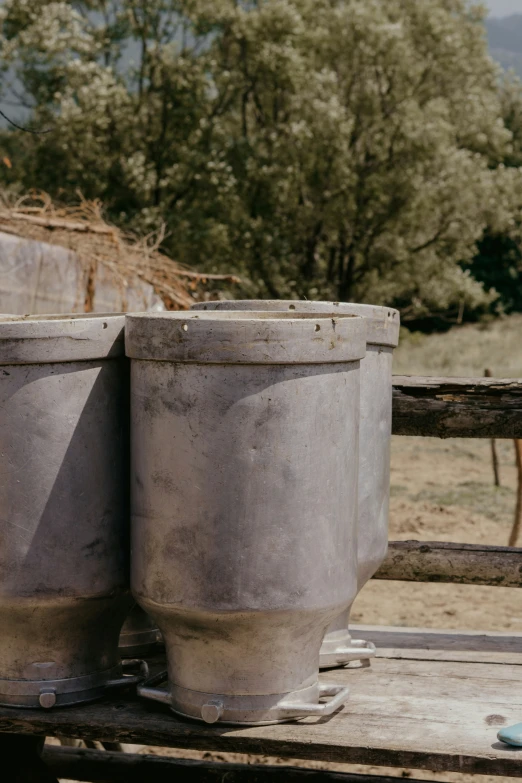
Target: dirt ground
440, 491
444, 491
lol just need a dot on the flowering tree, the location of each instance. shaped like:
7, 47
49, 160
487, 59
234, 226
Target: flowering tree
322, 148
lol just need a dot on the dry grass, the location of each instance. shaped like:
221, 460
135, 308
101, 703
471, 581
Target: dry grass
465, 351
443, 489
83, 229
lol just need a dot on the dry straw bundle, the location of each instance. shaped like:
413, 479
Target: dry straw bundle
83, 230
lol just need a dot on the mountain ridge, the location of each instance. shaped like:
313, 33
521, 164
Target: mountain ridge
505, 41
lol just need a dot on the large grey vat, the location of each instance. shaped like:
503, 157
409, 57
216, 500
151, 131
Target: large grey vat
63, 507
374, 449
244, 451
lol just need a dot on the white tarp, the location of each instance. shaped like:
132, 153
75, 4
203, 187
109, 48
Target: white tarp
36, 277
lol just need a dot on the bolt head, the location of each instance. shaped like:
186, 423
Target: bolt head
47, 699
212, 711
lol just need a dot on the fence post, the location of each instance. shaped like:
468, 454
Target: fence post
518, 510
494, 456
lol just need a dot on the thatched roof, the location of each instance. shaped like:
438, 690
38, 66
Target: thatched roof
83, 230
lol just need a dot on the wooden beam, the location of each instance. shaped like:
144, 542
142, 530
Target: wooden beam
457, 407
465, 564
98, 765
435, 644
424, 714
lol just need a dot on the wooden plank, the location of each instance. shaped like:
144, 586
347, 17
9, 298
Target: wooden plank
465, 564
457, 407
433, 715
95, 765
431, 644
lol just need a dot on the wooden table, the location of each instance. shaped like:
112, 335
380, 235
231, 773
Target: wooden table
430, 700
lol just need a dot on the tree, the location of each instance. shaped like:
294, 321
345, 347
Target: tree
498, 262
345, 149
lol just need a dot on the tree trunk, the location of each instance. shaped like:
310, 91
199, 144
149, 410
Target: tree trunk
494, 456
346, 282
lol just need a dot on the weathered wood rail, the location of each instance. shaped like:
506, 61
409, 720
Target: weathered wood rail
96, 765
465, 564
430, 700
457, 407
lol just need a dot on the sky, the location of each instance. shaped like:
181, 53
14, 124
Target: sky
504, 7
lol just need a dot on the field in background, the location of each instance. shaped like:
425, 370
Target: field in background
464, 351
442, 490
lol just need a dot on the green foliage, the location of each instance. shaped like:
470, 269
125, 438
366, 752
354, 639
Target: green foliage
498, 262
498, 265
344, 149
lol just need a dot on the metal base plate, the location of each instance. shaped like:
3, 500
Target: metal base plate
56, 693
234, 710
248, 710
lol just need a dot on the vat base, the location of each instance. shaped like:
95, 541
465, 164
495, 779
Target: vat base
45, 694
248, 710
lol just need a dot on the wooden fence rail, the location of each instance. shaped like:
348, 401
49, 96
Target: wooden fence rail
465, 564
457, 407
92, 765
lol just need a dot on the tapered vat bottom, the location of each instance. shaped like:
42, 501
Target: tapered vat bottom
140, 643
139, 635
